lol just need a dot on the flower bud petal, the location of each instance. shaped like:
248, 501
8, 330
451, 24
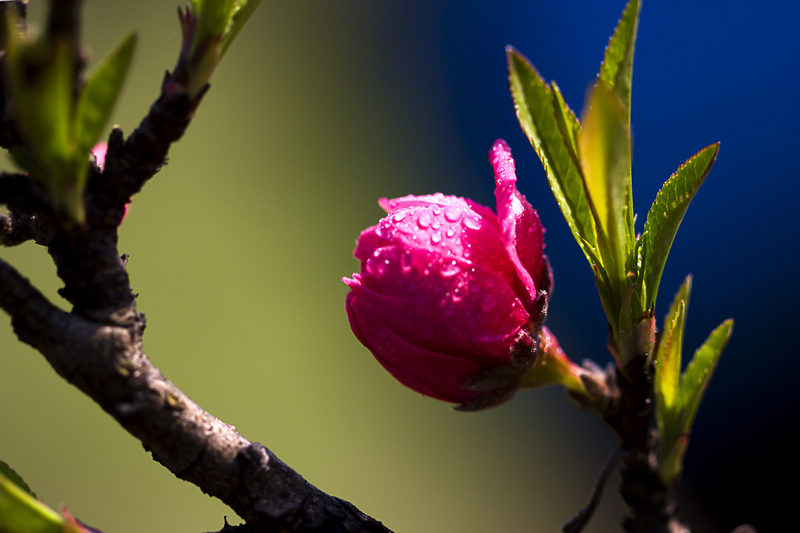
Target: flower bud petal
442, 304
522, 231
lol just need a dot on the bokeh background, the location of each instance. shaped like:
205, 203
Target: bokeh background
320, 108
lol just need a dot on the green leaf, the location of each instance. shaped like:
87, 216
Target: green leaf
534, 105
15, 478
675, 430
100, 94
667, 386
568, 125
616, 71
668, 359
213, 17
20, 512
617, 67
698, 374
665, 217
41, 74
242, 12
605, 153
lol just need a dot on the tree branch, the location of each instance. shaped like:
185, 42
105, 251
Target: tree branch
108, 364
652, 504
98, 346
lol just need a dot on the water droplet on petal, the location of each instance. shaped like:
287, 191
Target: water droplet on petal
436, 224
450, 232
436, 238
472, 222
400, 215
449, 269
437, 210
452, 214
424, 219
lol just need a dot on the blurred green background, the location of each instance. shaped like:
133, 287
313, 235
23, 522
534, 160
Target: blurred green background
237, 248
238, 245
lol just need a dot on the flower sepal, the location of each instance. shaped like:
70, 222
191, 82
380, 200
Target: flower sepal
499, 384
553, 367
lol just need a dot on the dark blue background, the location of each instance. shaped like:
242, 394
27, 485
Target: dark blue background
704, 72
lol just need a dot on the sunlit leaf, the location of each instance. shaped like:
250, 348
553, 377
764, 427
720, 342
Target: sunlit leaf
568, 125
617, 68
242, 12
605, 153
15, 478
20, 512
666, 214
533, 100
668, 359
213, 17
100, 94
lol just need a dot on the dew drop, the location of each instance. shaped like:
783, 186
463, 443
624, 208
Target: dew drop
400, 215
436, 238
452, 214
472, 223
449, 269
436, 224
424, 219
437, 210
450, 232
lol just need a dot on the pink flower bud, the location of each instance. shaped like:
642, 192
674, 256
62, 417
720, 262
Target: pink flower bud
448, 289
99, 152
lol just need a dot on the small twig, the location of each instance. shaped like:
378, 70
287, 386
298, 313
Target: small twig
580, 520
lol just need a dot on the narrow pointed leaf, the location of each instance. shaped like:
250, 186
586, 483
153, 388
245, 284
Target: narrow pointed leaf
22, 513
242, 13
667, 386
698, 374
668, 356
41, 75
15, 478
616, 71
617, 67
605, 154
100, 94
213, 17
568, 125
533, 101
665, 217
